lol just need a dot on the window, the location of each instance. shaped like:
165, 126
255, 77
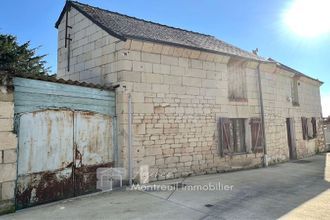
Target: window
231, 136
309, 128
294, 92
256, 135
236, 81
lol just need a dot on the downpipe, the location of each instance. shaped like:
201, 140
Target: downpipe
262, 112
130, 166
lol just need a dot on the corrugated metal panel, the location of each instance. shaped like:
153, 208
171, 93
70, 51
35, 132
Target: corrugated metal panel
33, 95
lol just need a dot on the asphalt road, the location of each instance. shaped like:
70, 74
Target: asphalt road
292, 190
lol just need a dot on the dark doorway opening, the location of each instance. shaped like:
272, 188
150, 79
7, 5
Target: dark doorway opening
291, 138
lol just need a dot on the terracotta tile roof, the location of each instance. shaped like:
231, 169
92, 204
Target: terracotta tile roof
126, 27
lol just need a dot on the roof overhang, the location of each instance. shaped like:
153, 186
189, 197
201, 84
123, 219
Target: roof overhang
296, 72
6, 79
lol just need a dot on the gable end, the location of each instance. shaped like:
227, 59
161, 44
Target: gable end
68, 5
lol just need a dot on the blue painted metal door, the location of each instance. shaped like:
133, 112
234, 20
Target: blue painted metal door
64, 135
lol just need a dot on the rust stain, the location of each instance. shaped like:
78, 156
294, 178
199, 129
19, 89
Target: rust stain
78, 157
87, 113
43, 187
85, 178
49, 132
77, 175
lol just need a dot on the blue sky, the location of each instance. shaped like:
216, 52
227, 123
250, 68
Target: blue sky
247, 24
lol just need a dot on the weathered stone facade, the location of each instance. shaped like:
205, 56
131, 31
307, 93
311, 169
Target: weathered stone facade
179, 94
8, 146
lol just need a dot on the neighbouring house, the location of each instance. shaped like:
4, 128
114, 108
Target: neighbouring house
198, 105
327, 132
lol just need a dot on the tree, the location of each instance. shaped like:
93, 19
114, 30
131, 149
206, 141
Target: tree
20, 58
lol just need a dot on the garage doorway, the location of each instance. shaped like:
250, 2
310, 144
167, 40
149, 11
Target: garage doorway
65, 132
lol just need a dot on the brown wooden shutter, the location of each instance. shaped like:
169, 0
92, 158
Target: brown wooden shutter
304, 128
256, 134
224, 136
314, 127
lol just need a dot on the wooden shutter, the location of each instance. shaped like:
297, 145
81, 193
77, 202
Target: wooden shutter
304, 128
256, 134
314, 127
224, 136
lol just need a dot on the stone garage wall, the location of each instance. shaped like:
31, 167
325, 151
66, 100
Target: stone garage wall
8, 146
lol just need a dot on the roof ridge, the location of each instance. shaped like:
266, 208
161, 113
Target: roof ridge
236, 47
176, 28
141, 19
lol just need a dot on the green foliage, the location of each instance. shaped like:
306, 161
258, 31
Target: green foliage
20, 58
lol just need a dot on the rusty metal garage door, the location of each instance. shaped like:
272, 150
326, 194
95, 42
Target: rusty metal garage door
92, 147
61, 143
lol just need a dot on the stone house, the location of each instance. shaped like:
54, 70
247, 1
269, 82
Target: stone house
198, 104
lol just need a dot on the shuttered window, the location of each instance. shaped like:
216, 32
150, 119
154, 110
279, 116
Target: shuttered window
304, 128
314, 127
294, 92
236, 81
309, 128
231, 136
224, 136
256, 135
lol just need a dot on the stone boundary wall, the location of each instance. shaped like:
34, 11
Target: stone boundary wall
8, 146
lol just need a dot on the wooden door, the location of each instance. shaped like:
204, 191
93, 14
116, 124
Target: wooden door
291, 138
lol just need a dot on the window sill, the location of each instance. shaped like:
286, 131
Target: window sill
310, 139
237, 154
238, 100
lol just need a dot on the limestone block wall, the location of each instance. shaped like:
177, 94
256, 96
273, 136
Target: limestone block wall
92, 51
178, 96
277, 89
8, 146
